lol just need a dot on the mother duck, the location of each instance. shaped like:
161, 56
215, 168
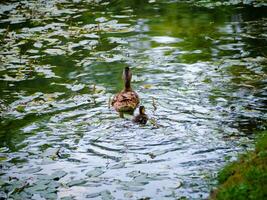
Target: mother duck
127, 100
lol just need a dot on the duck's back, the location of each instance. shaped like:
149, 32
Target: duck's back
141, 119
125, 101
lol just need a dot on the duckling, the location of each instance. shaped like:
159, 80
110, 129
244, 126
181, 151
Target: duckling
127, 100
142, 117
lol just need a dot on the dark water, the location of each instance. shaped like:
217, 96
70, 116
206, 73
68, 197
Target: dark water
200, 73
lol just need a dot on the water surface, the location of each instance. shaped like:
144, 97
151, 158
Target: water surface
200, 73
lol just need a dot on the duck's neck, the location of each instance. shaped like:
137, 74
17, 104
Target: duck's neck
127, 85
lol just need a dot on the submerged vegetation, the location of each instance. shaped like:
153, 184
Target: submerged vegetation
246, 178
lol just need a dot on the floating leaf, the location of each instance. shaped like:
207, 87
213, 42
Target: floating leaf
32, 170
2, 158
58, 175
134, 173
49, 195
131, 188
20, 108
106, 195
39, 187
68, 198
51, 153
118, 166
147, 86
44, 177
76, 183
44, 181
53, 185
95, 173
37, 197
93, 195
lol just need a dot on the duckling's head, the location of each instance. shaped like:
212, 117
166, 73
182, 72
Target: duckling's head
127, 77
142, 110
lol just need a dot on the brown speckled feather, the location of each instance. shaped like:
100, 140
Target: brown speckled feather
125, 101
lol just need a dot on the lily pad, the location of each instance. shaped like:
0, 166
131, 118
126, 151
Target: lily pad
134, 173
133, 183
58, 175
141, 178
44, 181
106, 195
95, 173
131, 188
53, 184
51, 152
67, 198
39, 187
118, 165
21, 195
93, 195
50, 195
44, 177
76, 183
37, 197
32, 170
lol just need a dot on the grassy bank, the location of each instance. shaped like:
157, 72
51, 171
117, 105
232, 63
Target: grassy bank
245, 178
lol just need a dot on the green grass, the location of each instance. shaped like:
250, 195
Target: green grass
247, 177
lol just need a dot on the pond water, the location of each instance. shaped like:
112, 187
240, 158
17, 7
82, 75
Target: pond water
200, 71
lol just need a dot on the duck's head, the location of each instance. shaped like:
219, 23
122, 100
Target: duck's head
127, 77
142, 110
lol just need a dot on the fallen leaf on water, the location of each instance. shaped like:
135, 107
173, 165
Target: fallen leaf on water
106, 195
95, 172
147, 86
76, 183
58, 175
20, 108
